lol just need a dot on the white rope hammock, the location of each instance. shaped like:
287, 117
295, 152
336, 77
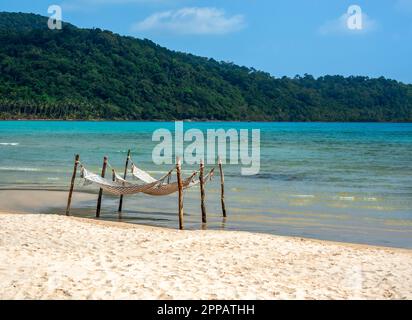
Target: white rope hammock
142, 175
151, 186
147, 178
116, 187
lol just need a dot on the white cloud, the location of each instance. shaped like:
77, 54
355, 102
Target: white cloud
199, 21
339, 26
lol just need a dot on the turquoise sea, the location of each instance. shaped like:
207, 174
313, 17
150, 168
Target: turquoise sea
347, 182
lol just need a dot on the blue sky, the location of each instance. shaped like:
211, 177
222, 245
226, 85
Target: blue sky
285, 37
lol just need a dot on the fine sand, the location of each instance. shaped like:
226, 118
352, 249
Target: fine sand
58, 257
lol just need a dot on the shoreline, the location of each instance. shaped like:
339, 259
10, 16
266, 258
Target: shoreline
46, 256
126, 225
283, 223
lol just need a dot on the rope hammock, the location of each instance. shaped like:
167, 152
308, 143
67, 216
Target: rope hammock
147, 178
116, 187
151, 186
168, 188
141, 174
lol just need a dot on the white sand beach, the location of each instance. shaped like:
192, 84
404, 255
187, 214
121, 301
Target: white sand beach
58, 257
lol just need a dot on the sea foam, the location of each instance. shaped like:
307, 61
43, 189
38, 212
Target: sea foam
9, 143
18, 169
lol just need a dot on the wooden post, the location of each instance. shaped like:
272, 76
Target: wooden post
180, 185
113, 175
124, 177
69, 200
202, 191
99, 199
222, 187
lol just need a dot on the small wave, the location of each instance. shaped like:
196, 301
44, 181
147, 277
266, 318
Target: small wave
347, 198
19, 169
9, 143
53, 178
370, 199
302, 196
279, 176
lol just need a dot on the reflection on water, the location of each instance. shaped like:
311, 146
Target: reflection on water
348, 182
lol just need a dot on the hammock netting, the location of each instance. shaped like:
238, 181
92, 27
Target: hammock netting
150, 186
142, 175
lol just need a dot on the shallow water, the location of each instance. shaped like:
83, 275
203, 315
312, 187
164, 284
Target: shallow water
338, 181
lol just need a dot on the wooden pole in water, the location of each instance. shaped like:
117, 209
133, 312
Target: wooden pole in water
99, 199
222, 187
124, 177
202, 191
180, 185
69, 200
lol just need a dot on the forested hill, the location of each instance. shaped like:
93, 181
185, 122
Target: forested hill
78, 73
